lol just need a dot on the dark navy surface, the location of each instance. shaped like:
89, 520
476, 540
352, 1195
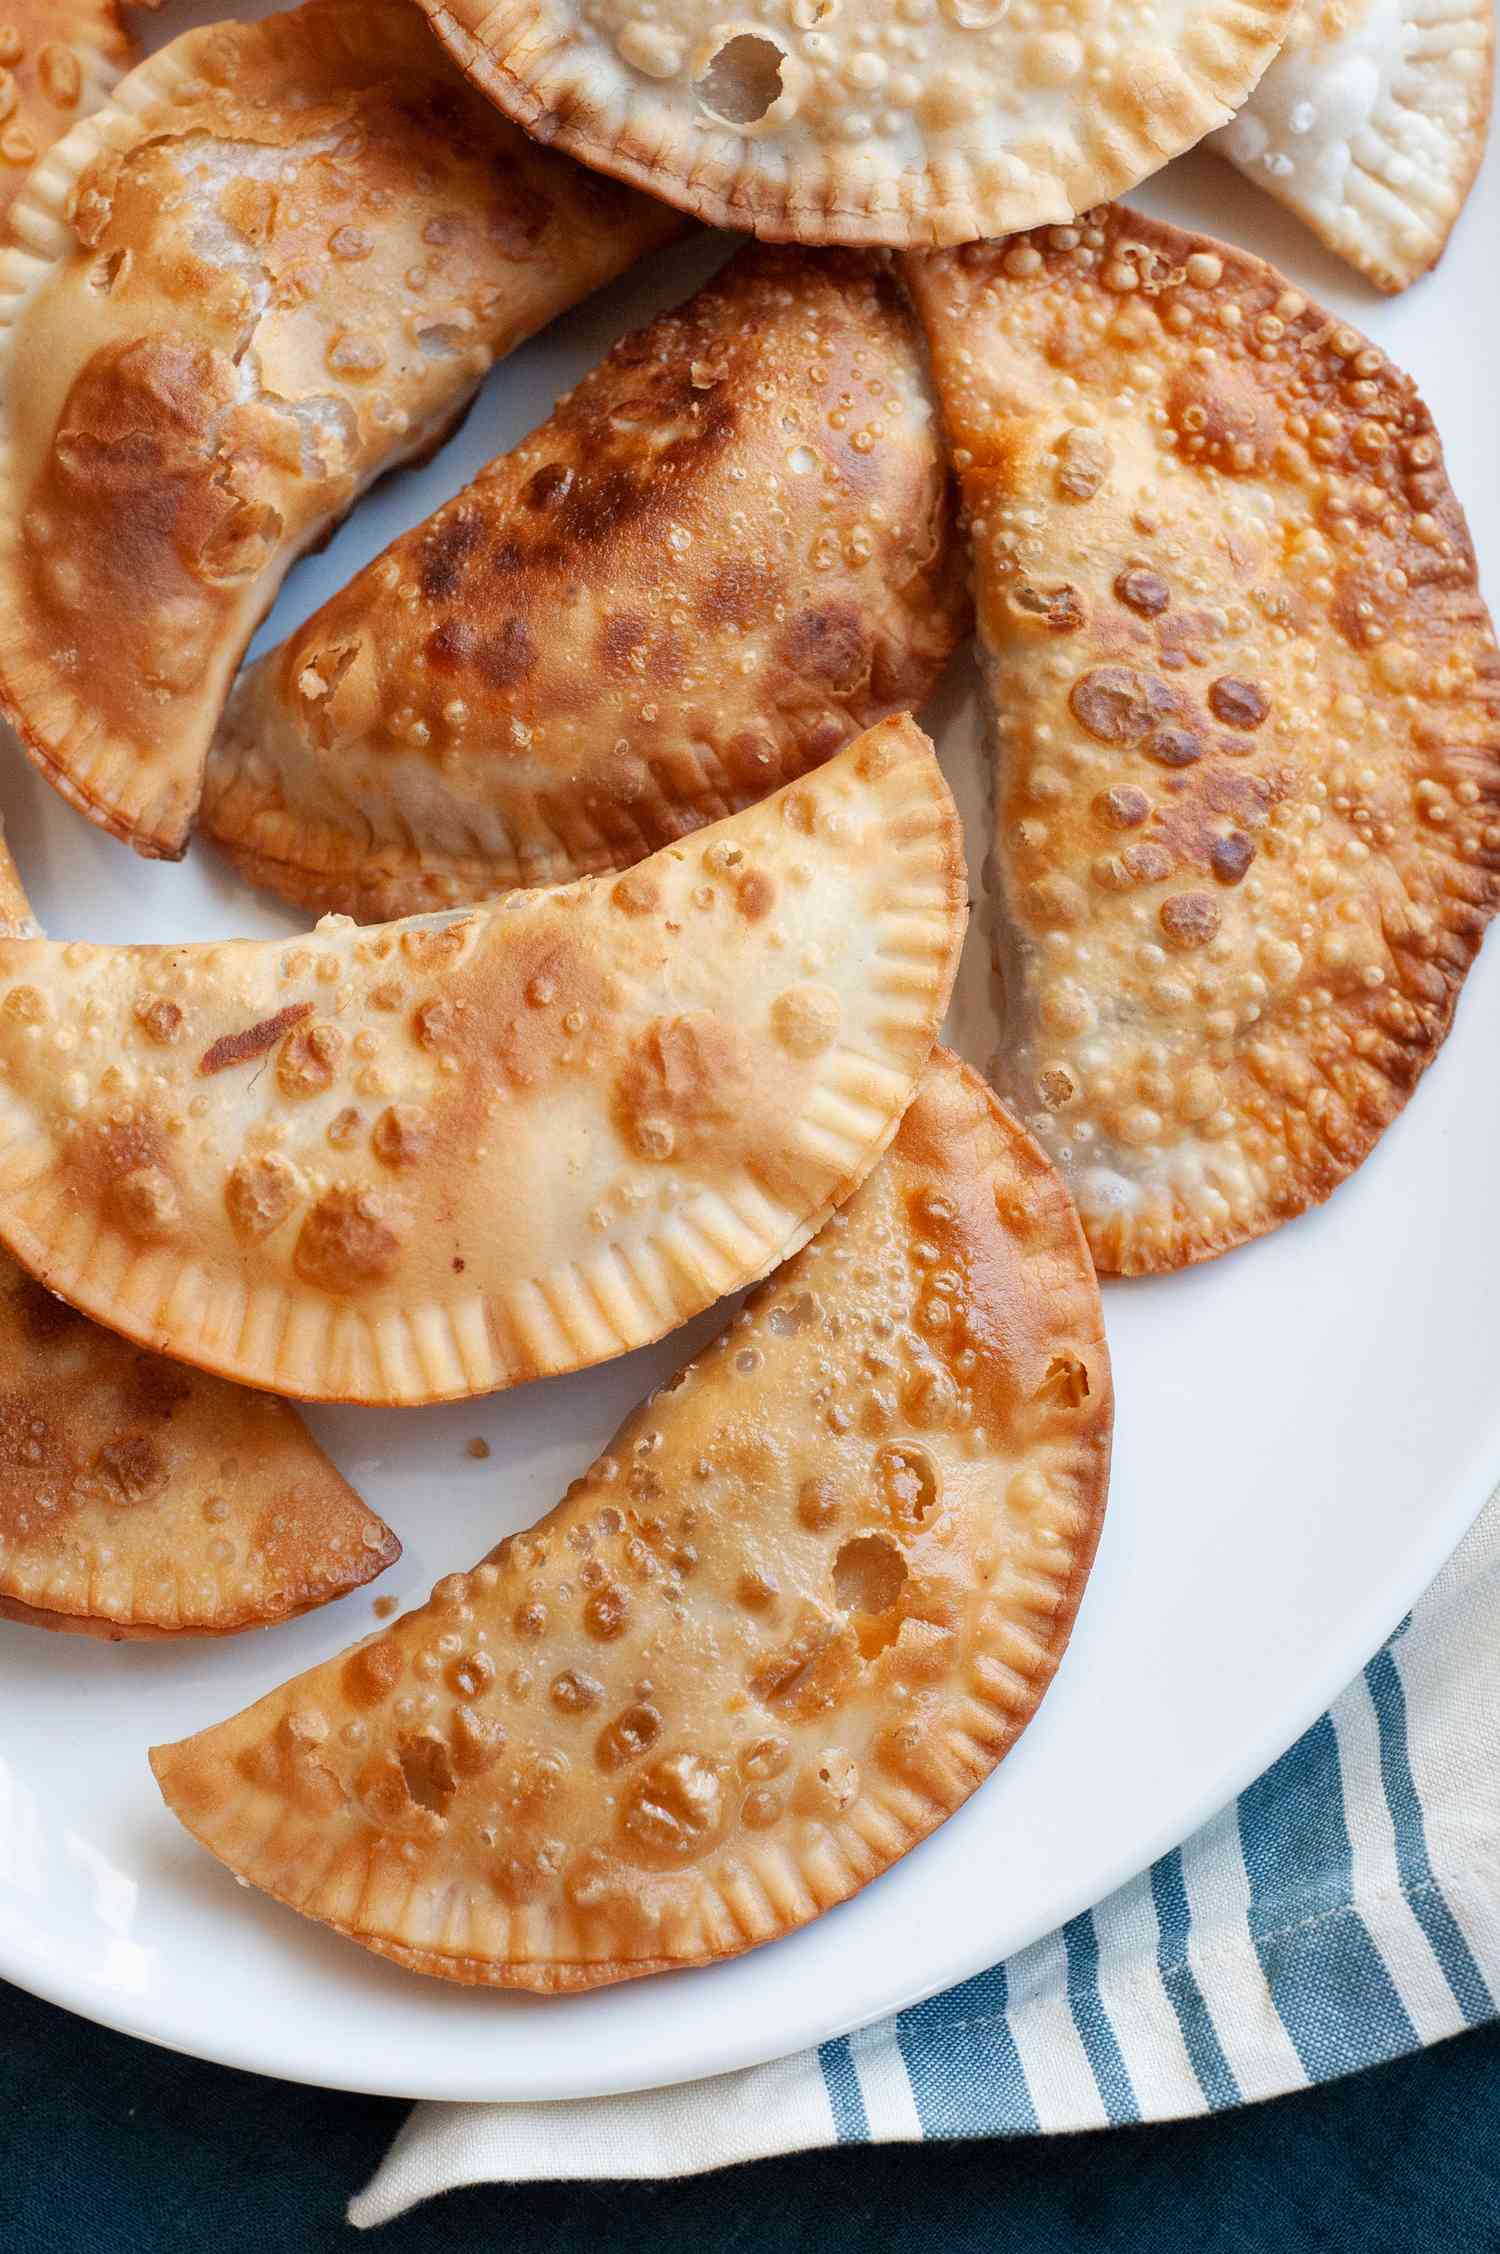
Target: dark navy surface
110, 2147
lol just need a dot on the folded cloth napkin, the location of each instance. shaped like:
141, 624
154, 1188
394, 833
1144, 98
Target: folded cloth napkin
1345, 1909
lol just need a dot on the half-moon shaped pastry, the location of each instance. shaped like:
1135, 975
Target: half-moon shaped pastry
432, 1159
809, 1597
60, 59
141, 1500
278, 263
138, 1499
1370, 126
1247, 722
729, 549
878, 121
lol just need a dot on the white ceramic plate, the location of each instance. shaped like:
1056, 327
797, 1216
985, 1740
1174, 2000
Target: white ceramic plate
1305, 1430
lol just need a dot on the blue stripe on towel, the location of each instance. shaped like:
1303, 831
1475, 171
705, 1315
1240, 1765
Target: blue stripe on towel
1418, 1879
1327, 1979
1100, 2043
966, 2073
851, 2124
1200, 2039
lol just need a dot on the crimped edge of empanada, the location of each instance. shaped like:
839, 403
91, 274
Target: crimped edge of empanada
132, 1623
769, 1892
285, 1340
521, 57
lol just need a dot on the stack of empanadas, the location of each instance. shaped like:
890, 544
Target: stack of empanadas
648, 893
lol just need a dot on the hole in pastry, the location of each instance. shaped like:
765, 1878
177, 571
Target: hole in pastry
323, 672
869, 1574
1066, 1382
743, 79
428, 1772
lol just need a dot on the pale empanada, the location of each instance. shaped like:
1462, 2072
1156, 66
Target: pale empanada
729, 550
435, 1158
277, 263
1370, 125
868, 121
1247, 718
810, 1596
58, 61
138, 1499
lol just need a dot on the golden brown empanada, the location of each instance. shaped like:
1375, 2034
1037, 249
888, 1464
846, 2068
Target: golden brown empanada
1370, 125
868, 121
435, 1158
809, 1597
729, 550
138, 1499
1247, 721
275, 265
60, 58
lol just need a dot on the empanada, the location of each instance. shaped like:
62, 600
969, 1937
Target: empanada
432, 1159
275, 265
729, 550
1247, 721
1370, 125
138, 1499
59, 60
812, 1593
868, 121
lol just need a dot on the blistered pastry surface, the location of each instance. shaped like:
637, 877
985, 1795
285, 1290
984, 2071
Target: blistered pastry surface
806, 1600
874, 121
435, 1158
1246, 712
730, 548
278, 262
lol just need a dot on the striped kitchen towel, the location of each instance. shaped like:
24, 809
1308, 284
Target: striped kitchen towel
1346, 1908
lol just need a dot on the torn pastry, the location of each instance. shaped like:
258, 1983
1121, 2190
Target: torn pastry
435, 1158
139, 1499
874, 121
728, 550
1370, 126
1246, 707
806, 1601
276, 264
60, 59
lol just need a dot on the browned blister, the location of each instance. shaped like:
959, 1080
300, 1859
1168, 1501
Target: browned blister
728, 550
1246, 705
805, 1602
277, 263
